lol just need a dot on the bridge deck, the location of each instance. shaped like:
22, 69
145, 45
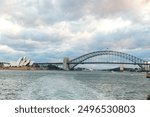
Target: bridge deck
59, 63
109, 63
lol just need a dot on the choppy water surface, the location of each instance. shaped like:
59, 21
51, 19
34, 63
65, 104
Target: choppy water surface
42, 85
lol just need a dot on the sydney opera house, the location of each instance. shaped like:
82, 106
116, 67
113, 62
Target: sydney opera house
21, 62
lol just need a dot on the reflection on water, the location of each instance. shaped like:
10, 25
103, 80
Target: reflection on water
42, 85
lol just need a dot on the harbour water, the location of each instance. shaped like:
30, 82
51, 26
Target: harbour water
81, 85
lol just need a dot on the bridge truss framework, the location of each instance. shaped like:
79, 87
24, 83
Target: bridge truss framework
130, 59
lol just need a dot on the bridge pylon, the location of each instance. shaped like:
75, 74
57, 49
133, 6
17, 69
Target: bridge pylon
121, 67
66, 64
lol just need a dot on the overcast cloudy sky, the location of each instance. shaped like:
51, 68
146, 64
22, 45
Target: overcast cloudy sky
48, 30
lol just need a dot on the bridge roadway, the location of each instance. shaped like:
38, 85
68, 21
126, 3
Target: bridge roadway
61, 63
109, 63
54, 63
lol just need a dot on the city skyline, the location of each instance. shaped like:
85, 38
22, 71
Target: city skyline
48, 30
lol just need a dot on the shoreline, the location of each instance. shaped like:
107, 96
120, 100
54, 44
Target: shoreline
17, 68
27, 68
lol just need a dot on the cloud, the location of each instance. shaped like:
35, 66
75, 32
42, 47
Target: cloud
58, 28
7, 49
43, 12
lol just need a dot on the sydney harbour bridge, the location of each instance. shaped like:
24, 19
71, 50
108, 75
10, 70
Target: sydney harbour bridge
105, 57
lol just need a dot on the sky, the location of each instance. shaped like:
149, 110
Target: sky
48, 30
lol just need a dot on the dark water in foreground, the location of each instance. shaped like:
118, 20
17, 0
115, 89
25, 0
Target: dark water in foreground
43, 85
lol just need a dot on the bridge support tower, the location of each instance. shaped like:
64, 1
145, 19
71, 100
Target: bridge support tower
147, 74
122, 67
66, 64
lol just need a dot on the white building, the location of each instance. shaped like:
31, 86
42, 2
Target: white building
22, 61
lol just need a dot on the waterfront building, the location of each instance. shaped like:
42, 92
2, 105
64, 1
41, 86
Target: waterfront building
22, 61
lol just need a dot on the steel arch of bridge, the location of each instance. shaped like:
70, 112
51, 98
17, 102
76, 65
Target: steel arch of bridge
135, 60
